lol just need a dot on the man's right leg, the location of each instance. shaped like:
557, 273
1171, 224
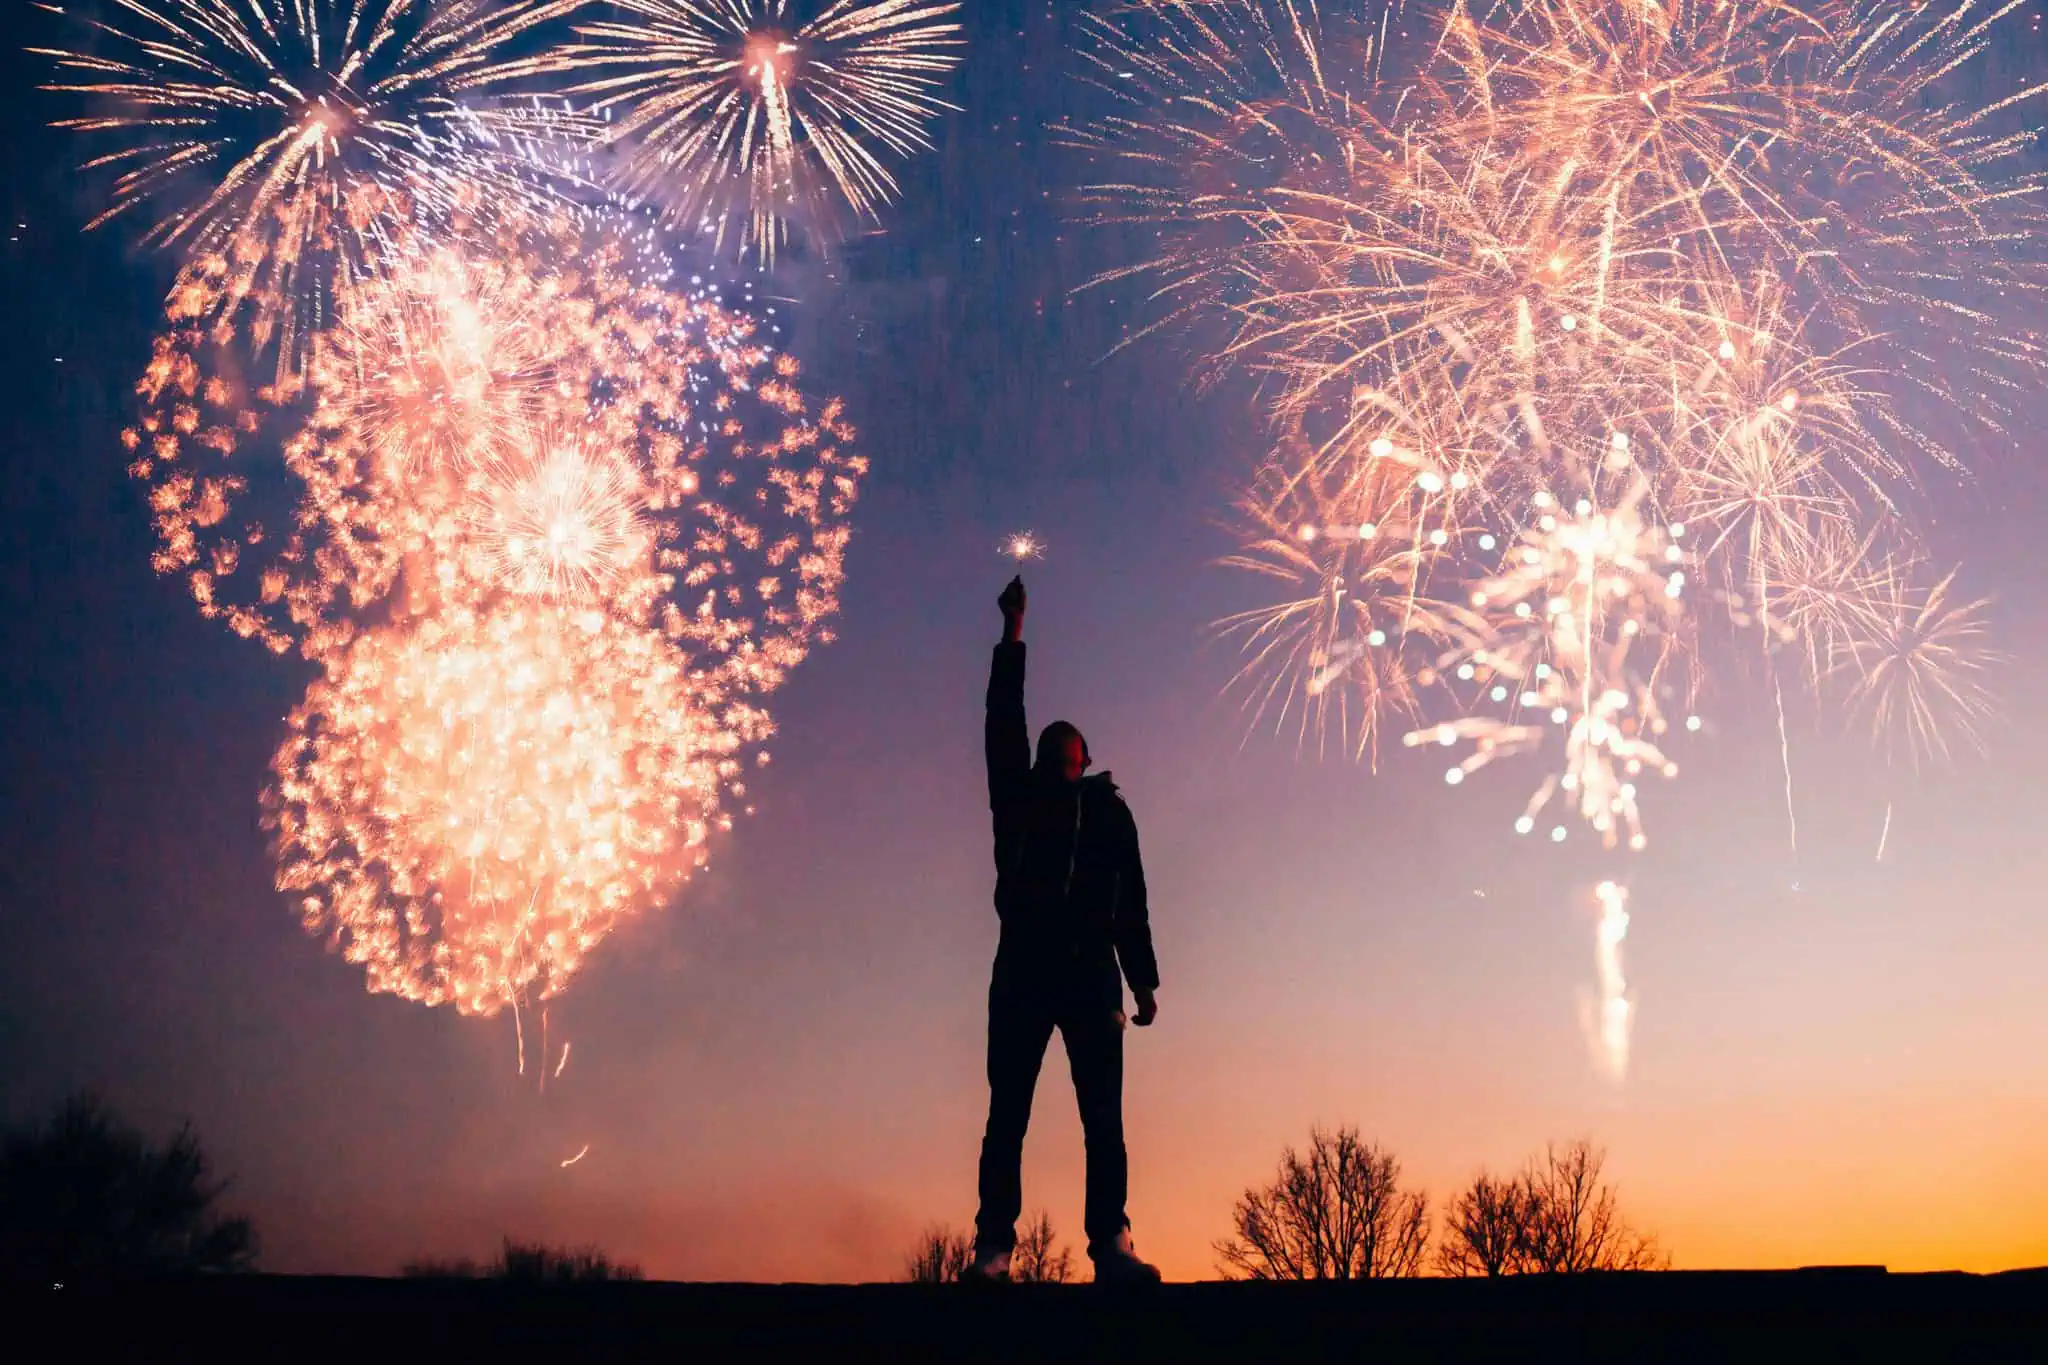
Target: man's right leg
1020, 1024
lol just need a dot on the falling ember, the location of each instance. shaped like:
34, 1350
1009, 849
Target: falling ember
1785, 761
582, 1152
1615, 1016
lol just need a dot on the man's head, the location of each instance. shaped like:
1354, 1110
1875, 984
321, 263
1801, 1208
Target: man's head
1062, 751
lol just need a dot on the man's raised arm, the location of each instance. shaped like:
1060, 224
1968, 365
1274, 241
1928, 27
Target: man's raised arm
1006, 739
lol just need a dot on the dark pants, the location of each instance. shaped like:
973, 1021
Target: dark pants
1021, 1019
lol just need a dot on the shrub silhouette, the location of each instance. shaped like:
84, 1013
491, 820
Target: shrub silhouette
528, 1263
941, 1256
87, 1196
532, 1262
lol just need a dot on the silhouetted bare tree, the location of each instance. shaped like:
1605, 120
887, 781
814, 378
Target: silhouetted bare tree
1484, 1229
1336, 1213
1572, 1223
940, 1257
86, 1195
531, 1262
1557, 1217
1035, 1261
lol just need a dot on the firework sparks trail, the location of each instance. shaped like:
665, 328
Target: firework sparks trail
277, 141
1884, 835
581, 1152
552, 526
736, 114
1785, 760
1613, 1021
1760, 264
1576, 628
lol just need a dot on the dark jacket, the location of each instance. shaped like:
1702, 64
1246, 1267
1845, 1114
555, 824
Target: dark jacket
1070, 888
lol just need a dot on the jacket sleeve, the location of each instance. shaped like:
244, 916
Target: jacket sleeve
1009, 747
1133, 926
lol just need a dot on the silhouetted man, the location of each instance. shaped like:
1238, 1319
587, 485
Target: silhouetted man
1070, 893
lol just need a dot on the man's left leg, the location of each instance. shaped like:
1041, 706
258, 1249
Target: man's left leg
1094, 1039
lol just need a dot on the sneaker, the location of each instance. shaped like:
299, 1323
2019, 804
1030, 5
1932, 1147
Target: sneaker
988, 1267
1118, 1263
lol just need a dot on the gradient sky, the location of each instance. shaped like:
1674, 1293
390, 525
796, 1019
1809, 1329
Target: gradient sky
1835, 1060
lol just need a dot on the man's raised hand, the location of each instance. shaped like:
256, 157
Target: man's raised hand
1012, 605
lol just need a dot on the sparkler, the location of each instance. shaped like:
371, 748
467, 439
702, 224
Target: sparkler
744, 116
1022, 546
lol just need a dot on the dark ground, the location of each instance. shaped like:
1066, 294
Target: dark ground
1808, 1315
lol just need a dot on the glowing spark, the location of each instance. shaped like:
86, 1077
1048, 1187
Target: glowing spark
580, 1154
1884, 835
1582, 620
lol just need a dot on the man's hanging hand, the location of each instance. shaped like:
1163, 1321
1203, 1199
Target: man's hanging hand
1012, 605
1148, 1008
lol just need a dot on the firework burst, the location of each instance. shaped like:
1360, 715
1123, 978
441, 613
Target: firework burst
1653, 295
1546, 248
749, 117
554, 535
560, 518
1919, 669
470, 800
464, 386
275, 140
